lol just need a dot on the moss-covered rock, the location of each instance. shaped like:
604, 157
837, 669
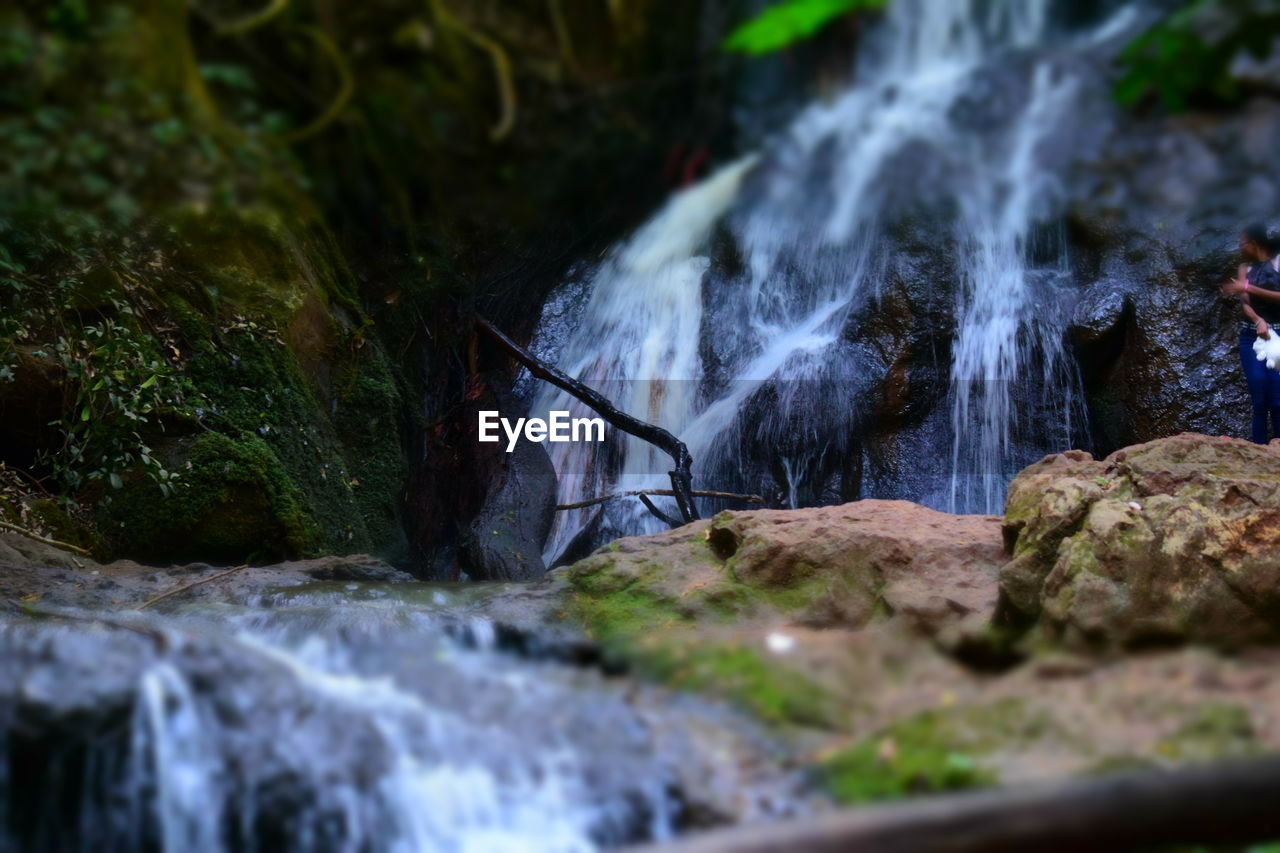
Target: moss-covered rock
234, 501
936, 750
708, 606
1169, 541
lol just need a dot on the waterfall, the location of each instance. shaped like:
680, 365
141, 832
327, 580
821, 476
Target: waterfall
727, 318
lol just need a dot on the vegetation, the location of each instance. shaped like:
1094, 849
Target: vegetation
783, 24
921, 754
218, 220
1187, 58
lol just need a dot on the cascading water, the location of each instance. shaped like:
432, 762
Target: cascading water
729, 317
343, 717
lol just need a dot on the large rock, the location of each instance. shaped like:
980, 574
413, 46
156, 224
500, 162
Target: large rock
893, 556
829, 567
787, 611
1169, 541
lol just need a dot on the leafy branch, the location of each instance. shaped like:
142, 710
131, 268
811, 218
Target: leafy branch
783, 24
1187, 57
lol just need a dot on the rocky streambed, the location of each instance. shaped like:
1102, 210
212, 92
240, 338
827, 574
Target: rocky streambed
747, 667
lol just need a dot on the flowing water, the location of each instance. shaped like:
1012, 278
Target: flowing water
350, 717
727, 317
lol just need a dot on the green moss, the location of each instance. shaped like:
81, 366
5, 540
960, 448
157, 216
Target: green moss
366, 419
338, 445
54, 518
663, 638
234, 502
1214, 731
752, 679
938, 750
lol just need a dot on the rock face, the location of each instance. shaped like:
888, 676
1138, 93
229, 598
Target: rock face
831, 567
1172, 540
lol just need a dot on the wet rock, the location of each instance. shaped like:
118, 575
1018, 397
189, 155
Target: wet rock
39, 574
1156, 203
504, 542
1098, 315
357, 568
1169, 541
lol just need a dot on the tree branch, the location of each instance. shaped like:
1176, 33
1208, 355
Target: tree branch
188, 586
22, 531
657, 513
665, 493
681, 477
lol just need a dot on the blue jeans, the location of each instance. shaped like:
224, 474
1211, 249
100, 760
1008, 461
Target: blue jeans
1264, 388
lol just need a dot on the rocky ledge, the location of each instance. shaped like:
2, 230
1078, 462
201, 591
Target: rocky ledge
1121, 612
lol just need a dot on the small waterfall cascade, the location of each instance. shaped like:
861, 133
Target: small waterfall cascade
730, 318
342, 717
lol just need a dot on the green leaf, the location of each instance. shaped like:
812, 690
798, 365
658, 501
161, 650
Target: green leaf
783, 24
116, 482
149, 382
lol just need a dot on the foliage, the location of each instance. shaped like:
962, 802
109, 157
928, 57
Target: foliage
183, 186
234, 501
117, 384
783, 24
1186, 58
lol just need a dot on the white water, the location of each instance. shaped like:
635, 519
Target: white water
806, 219
333, 720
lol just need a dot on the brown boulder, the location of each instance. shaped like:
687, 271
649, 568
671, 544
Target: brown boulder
928, 566
1173, 540
828, 567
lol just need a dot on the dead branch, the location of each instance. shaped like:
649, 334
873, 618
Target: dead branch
657, 513
664, 493
22, 531
681, 477
188, 586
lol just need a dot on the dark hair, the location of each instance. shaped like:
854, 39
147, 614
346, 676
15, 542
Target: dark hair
1257, 232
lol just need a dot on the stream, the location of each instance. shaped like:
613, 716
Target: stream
347, 716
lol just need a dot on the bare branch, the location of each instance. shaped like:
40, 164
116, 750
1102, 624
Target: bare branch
681, 477
1223, 803
22, 531
666, 493
188, 586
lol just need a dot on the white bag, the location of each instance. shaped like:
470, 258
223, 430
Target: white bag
1268, 350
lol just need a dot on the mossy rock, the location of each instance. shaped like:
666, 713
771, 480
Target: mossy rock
936, 750
234, 501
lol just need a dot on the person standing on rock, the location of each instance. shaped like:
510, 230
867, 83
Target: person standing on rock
1257, 283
